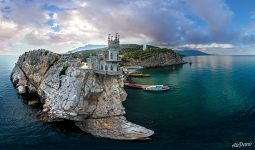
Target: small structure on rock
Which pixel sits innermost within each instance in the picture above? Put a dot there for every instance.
(107, 62)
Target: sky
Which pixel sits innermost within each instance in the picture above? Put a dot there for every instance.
(212, 26)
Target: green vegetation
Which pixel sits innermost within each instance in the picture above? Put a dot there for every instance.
(128, 51)
(140, 54)
(83, 55)
(130, 46)
(63, 71)
(46, 52)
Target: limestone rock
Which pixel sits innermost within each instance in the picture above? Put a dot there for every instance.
(33, 103)
(21, 89)
(18, 78)
(70, 92)
(115, 128)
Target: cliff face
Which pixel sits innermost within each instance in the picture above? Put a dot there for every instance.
(69, 92)
(157, 60)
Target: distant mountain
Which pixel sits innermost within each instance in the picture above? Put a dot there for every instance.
(98, 47)
(137, 47)
(130, 46)
(87, 47)
(190, 52)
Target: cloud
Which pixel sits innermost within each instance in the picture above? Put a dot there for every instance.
(157, 22)
(65, 24)
(205, 46)
(215, 13)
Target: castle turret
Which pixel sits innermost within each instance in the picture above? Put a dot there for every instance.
(113, 50)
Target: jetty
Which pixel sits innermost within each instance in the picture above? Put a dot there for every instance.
(146, 87)
(132, 84)
(138, 75)
(137, 86)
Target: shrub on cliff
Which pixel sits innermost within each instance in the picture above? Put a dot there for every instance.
(63, 71)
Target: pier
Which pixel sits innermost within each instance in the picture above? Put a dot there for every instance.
(132, 84)
(138, 75)
(137, 86)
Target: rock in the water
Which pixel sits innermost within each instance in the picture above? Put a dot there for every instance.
(115, 128)
(33, 103)
(70, 92)
(21, 89)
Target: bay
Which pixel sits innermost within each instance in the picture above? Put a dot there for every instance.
(210, 105)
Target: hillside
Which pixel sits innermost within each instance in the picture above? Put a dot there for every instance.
(87, 47)
(153, 57)
(132, 54)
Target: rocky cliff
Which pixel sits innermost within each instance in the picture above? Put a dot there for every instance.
(92, 101)
(158, 60)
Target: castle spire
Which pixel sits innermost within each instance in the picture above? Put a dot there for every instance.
(109, 35)
(116, 37)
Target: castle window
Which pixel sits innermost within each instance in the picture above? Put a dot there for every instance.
(111, 67)
(106, 67)
(111, 55)
(102, 67)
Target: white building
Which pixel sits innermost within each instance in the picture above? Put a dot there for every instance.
(108, 61)
(144, 47)
(84, 65)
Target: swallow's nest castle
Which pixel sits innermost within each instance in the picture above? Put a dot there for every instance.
(107, 62)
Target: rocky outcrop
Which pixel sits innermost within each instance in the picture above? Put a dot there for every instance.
(114, 127)
(157, 60)
(92, 101)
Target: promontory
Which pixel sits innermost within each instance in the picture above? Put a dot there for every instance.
(70, 92)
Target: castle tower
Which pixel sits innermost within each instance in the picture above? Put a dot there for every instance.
(112, 57)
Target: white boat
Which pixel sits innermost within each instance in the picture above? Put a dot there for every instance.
(157, 88)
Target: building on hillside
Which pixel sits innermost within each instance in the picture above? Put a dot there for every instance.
(107, 62)
(144, 47)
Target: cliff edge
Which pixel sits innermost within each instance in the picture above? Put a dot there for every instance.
(92, 101)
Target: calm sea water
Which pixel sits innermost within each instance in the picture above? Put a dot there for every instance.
(211, 105)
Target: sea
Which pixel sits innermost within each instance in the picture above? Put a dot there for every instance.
(210, 106)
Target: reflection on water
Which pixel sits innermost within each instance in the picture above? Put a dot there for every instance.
(212, 62)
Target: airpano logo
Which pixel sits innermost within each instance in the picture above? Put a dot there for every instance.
(241, 144)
